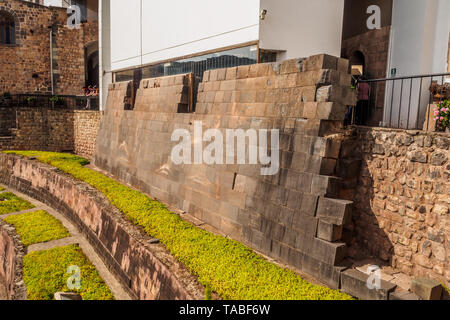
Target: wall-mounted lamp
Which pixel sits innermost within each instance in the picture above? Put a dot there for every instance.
(263, 14)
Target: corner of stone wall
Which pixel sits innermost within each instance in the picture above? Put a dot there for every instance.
(12, 252)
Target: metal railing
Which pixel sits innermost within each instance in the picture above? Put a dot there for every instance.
(402, 102)
(51, 101)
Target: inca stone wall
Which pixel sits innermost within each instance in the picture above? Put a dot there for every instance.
(294, 216)
(402, 201)
(46, 129)
(25, 66)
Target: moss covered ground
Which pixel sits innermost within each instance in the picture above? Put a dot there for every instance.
(37, 227)
(46, 272)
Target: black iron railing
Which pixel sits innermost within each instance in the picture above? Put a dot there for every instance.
(51, 101)
(402, 102)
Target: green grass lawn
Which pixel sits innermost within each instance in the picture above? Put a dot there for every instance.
(36, 227)
(45, 273)
(228, 267)
(10, 203)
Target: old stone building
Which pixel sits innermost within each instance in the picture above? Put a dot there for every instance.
(39, 53)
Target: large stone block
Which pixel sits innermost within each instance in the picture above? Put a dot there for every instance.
(331, 253)
(328, 274)
(334, 93)
(321, 61)
(329, 230)
(327, 147)
(427, 289)
(318, 128)
(305, 224)
(325, 186)
(354, 282)
(338, 210)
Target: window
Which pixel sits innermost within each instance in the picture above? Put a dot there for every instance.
(7, 28)
(196, 65)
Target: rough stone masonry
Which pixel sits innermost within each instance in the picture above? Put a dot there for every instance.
(295, 216)
(25, 66)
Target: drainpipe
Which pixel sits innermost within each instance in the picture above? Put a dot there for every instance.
(100, 55)
(51, 61)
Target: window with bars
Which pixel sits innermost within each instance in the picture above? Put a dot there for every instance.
(7, 28)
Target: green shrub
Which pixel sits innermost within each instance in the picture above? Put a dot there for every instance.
(231, 269)
(1, 188)
(45, 273)
(37, 227)
(10, 203)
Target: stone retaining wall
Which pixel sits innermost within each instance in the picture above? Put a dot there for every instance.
(402, 200)
(11, 257)
(147, 270)
(49, 130)
(296, 215)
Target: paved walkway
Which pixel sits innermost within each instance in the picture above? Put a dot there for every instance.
(75, 238)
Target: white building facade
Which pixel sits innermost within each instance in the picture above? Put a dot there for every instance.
(176, 36)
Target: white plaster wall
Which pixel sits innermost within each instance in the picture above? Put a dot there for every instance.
(104, 50)
(302, 27)
(419, 45)
(54, 3)
(147, 31)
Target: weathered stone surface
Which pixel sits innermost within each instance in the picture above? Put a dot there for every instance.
(52, 130)
(274, 214)
(25, 66)
(12, 252)
(354, 282)
(401, 200)
(427, 289)
(338, 210)
(329, 231)
(403, 296)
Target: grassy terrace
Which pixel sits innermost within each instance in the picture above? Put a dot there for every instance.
(227, 267)
(45, 272)
(10, 203)
(37, 227)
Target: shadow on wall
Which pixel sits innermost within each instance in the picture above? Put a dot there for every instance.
(365, 236)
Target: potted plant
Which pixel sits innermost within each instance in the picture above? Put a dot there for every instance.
(442, 116)
(31, 101)
(5, 99)
(57, 101)
(440, 91)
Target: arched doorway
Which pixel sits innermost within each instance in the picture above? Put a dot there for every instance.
(357, 63)
(92, 64)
